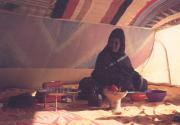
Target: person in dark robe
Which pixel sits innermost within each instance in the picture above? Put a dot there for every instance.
(113, 66)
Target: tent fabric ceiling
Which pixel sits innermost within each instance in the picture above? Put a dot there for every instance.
(144, 13)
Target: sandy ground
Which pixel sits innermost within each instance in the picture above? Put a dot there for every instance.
(132, 113)
(136, 113)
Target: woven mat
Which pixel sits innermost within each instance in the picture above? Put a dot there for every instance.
(30, 117)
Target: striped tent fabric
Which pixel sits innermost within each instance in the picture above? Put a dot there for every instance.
(94, 11)
(116, 12)
(144, 13)
(99, 11)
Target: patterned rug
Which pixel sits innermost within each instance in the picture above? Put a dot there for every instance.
(30, 117)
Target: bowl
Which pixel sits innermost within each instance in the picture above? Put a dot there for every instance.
(156, 95)
(137, 96)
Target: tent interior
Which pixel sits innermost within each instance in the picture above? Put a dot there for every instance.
(59, 40)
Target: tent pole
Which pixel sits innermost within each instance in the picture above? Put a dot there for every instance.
(167, 61)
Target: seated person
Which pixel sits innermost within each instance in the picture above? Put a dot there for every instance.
(113, 66)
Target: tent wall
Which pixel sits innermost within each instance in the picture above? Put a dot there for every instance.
(156, 67)
(34, 49)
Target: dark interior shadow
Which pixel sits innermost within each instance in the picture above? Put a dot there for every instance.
(18, 115)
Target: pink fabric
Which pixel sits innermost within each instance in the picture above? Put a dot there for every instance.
(72, 4)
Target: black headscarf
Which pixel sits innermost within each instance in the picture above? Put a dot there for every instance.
(116, 33)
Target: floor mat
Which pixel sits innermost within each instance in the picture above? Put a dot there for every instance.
(29, 117)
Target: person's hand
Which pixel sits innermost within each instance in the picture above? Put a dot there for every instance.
(114, 88)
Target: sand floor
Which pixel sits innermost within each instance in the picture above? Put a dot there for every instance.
(140, 113)
(132, 113)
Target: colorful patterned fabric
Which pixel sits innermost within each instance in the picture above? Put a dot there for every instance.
(95, 11)
(144, 13)
(52, 43)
